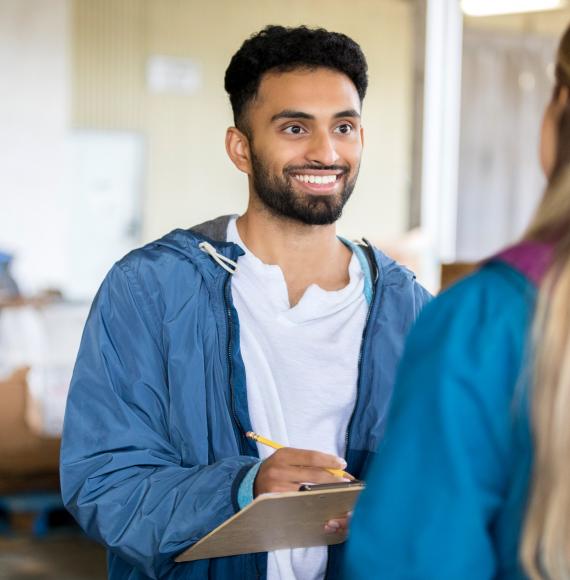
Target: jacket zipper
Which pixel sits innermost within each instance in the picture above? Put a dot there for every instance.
(241, 439)
(347, 434)
(373, 271)
(241, 436)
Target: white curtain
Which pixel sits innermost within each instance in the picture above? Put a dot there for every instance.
(507, 81)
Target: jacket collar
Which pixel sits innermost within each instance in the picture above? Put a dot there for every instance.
(384, 270)
(529, 258)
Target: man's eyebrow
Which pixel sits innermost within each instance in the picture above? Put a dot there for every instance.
(347, 113)
(291, 114)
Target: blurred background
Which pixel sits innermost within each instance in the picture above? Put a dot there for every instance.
(112, 124)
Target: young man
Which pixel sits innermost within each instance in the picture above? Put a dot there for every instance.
(268, 322)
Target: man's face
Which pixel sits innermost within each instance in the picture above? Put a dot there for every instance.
(306, 144)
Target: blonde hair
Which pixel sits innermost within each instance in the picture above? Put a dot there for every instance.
(545, 546)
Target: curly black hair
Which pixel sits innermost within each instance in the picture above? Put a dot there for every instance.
(281, 49)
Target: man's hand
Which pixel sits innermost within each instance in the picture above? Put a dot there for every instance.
(338, 525)
(288, 468)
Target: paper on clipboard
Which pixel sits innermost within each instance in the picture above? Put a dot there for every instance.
(275, 521)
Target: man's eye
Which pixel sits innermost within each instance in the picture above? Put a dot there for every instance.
(294, 130)
(344, 129)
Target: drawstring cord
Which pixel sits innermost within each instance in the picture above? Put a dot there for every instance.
(230, 265)
(227, 264)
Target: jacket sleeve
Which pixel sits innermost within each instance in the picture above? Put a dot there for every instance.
(121, 477)
(441, 473)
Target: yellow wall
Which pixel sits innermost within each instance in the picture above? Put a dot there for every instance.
(189, 178)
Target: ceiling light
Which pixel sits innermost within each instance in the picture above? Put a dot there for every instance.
(496, 7)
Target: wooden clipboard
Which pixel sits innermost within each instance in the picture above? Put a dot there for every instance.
(277, 520)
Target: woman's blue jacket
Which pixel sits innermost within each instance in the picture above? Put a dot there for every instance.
(447, 492)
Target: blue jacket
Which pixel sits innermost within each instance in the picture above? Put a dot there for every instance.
(153, 447)
(447, 492)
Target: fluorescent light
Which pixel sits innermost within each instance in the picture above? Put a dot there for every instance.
(496, 7)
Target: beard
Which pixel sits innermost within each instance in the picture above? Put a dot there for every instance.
(280, 198)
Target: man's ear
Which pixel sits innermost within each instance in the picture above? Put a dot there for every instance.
(237, 147)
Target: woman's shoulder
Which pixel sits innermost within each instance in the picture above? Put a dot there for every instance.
(494, 290)
(492, 306)
(494, 277)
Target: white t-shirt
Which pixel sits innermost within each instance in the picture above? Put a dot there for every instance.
(301, 368)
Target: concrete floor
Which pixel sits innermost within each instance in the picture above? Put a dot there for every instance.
(58, 556)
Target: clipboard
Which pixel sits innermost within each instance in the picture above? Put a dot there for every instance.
(274, 521)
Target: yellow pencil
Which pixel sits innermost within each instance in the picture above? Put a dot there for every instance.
(269, 443)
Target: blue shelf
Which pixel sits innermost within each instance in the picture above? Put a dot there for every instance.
(38, 504)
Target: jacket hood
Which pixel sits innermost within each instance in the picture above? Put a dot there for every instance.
(188, 242)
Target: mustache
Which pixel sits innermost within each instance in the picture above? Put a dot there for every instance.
(300, 168)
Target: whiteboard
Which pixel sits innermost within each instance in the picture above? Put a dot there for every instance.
(106, 183)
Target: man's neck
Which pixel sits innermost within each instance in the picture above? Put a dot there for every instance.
(306, 254)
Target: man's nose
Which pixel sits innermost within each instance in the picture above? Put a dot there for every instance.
(322, 149)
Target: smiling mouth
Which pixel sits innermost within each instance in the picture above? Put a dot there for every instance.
(317, 179)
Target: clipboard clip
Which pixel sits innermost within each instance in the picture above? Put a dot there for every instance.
(325, 486)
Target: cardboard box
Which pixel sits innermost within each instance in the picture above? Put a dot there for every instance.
(45, 339)
(23, 454)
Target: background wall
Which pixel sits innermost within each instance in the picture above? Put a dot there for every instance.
(508, 73)
(34, 118)
(506, 76)
(188, 176)
(550, 23)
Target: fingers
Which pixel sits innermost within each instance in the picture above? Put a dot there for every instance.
(332, 527)
(308, 458)
(311, 475)
(274, 475)
(337, 526)
(287, 468)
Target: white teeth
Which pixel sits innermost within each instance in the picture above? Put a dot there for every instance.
(318, 179)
